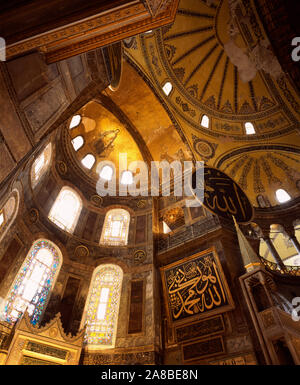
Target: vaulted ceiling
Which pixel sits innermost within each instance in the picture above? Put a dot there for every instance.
(219, 61)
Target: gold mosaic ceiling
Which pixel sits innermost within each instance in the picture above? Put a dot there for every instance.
(130, 120)
(218, 59)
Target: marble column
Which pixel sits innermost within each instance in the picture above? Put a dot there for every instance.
(273, 251)
(290, 231)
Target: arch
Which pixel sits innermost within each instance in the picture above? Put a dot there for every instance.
(9, 211)
(116, 227)
(75, 121)
(88, 161)
(41, 165)
(250, 130)
(282, 196)
(102, 307)
(32, 285)
(205, 121)
(66, 209)
(167, 88)
(77, 142)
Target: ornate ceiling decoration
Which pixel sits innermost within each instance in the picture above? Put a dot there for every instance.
(219, 61)
(61, 35)
(262, 170)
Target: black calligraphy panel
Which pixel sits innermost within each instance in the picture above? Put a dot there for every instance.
(195, 287)
(223, 196)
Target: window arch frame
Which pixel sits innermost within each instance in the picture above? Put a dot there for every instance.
(88, 304)
(207, 121)
(285, 193)
(249, 126)
(46, 288)
(48, 152)
(124, 239)
(74, 125)
(167, 87)
(8, 221)
(56, 221)
(82, 143)
(85, 157)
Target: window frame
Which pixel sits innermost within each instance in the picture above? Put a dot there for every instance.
(92, 299)
(124, 240)
(35, 178)
(56, 221)
(18, 280)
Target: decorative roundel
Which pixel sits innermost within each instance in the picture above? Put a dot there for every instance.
(221, 195)
(139, 256)
(61, 167)
(141, 203)
(82, 251)
(97, 200)
(33, 215)
(204, 148)
(53, 332)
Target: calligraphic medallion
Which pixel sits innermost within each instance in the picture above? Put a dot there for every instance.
(194, 287)
(223, 196)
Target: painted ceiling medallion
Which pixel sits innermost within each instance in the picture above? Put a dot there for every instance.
(61, 167)
(82, 251)
(97, 200)
(139, 256)
(205, 149)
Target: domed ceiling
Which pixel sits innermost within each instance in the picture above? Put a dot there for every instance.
(130, 120)
(219, 62)
(104, 136)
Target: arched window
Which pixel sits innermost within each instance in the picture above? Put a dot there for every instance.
(75, 121)
(66, 209)
(106, 172)
(282, 196)
(167, 88)
(115, 228)
(8, 212)
(33, 283)
(40, 165)
(88, 161)
(77, 142)
(250, 130)
(127, 177)
(205, 121)
(102, 307)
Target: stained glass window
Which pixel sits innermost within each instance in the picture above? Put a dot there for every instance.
(33, 282)
(40, 165)
(66, 209)
(102, 307)
(115, 229)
